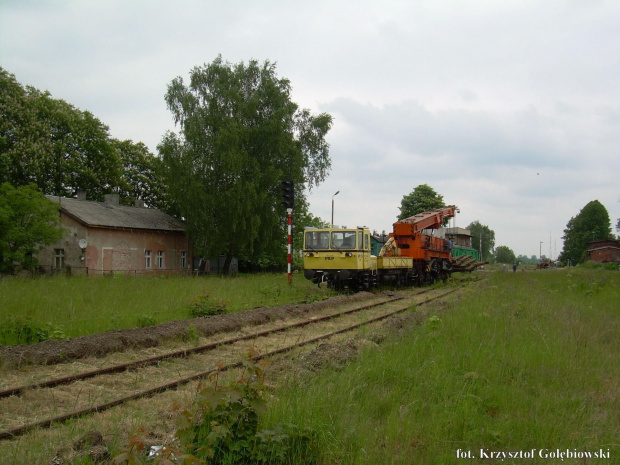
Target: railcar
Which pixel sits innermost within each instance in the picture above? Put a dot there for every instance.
(341, 257)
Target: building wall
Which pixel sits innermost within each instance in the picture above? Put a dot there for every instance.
(112, 249)
(604, 251)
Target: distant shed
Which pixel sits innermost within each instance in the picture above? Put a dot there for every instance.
(604, 251)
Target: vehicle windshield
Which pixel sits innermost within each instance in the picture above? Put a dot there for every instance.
(317, 240)
(343, 240)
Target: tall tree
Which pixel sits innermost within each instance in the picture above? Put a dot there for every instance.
(141, 178)
(240, 136)
(421, 199)
(28, 222)
(483, 238)
(62, 149)
(592, 223)
(504, 254)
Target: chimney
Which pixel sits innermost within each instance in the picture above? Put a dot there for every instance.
(81, 195)
(111, 199)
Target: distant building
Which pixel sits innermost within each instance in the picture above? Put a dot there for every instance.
(104, 237)
(376, 243)
(458, 236)
(461, 242)
(604, 251)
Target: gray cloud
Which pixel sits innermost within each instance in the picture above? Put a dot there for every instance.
(508, 109)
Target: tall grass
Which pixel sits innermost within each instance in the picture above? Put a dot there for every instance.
(77, 305)
(525, 361)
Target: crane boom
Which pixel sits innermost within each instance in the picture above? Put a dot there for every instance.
(431, 219)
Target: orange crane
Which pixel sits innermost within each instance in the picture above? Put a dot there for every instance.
(408, 240)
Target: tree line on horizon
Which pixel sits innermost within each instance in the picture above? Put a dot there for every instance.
(239, 136)
(592, 223)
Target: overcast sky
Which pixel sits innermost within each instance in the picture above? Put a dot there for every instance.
(510, 110)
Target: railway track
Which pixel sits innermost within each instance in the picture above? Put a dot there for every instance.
(51, 397)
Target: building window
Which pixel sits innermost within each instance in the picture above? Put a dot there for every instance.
(147, 259)
(183, 259)
(160, 259)
(59, 258)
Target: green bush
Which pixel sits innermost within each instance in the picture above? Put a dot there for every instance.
(22, 330)
(223, 426)
(600, 266)
(205, 305)
(144, 321)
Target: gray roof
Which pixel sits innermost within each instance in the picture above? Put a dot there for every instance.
(109, 215)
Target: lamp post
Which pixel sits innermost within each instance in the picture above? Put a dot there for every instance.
(540, 251)
(337, 192)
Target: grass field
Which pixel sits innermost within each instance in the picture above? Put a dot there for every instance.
(74, 306)
(526, 362)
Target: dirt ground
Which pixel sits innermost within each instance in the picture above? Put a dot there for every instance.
(52, 351)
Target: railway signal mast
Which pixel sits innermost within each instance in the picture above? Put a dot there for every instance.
(288, 192)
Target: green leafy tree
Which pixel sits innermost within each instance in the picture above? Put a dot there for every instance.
(422, 198)
(592, 223)
(483, 238)
(504, 254)
(240, 136)
(28, 222)
(532, 260)
(141, 178)
(63, 150)
(52, 144)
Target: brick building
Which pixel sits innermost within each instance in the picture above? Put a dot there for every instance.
(104, 237)
(604, 251)
(458, 236)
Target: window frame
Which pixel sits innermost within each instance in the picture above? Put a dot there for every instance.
(59, 258)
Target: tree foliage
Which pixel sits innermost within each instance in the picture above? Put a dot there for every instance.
(141, 176)
(483, 238)
(592, 223)
(421, 199)
(28, 222)
(63, 150)
(504, 254)
(240, 136)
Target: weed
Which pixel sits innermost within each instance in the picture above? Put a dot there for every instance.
(144, 321)
(192, 333)
(223, 426)
(22, 330)
(205, 305)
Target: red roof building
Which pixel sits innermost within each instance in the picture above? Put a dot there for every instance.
(604, 251)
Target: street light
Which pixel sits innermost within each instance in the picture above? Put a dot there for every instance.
(337, 192)
(540, 251)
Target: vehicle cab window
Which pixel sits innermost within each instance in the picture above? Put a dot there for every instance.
(317, 240)
(343, 240)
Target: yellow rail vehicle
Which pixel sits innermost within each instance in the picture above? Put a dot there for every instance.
(339, 257)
